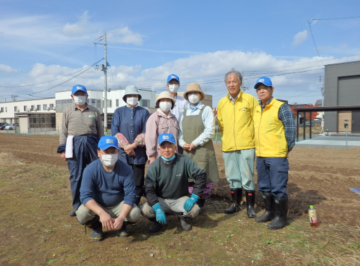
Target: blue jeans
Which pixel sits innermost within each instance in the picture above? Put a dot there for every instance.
(273, 175)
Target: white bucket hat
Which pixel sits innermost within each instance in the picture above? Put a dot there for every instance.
(130, 90)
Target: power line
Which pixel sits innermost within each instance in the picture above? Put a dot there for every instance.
(313, 19)
(312, 36)
(66, 80)
(30, 85)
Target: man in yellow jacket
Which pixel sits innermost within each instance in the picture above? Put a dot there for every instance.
(235, 120)
(274, 138)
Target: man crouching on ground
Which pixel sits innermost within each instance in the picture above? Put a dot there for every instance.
(107, 192)
(166, 186)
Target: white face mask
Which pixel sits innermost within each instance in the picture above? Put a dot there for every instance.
(132, 100)
(165, 106)
(79, 100)
(109, 159)
(193, 98)
(173, 88)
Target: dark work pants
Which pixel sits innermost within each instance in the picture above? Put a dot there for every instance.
(139, 173)
(272, 175)
(84, 152)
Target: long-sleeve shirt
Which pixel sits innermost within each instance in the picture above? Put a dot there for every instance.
(180, 104)
(208, 121)
(287, 118)
(170, 181)
(108, 188)
(159, 123)
(131, 122)
(78, 122)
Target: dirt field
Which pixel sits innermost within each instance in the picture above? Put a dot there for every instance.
(35, 228)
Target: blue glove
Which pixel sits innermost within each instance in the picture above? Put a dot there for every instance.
(160, 214)
(189, 203)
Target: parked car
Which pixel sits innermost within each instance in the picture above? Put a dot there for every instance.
(11, 126)
(3, 126)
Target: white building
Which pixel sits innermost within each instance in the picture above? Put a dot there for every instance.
(46, 114)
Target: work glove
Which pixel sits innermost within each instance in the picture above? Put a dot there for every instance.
(160, 214)
(189, 203)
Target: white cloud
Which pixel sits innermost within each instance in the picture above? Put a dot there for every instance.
(79, 28)
(40, 31)
(125, 35)
(300, 37)
(6, 69)
(291, 77)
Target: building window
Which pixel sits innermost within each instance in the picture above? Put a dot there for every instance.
(44, 107)
(117, 102)
(98, 104)
(109, 104)
(5, 109)
(145, 103)
(25, 108)
(15, 108)
(38, 107)
(2, 109)
(51, 106)
(32, 107)
(42, 120)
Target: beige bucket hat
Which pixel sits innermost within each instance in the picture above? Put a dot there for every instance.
(165, 95)
(193, 87)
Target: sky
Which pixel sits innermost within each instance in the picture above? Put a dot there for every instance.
(49, 46)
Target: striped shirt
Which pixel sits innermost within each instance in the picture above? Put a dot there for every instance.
(287, 118)
(78, 122)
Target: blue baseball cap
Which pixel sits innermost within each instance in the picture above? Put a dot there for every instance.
(77, 88)
(166, 137)
(107, 142)
(263, 80)
(171, 77)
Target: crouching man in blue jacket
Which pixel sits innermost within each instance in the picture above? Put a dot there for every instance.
(166, 186)
(107, 192)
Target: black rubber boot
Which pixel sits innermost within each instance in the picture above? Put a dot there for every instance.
(269, 213)
(236, 198)
(250, 201)
(281, 210)
(201, 203)
(185, 225)
(96, 226)
(155, 227)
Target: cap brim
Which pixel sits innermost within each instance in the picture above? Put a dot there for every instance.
(109, 146)
(167, 141)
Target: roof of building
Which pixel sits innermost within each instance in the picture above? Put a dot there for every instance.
(36, 99)
(352, 62)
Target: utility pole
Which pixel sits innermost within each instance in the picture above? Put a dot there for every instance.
(104, 68)
(14, 97)
(105, 85)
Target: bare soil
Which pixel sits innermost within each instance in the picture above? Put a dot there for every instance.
(35, 228)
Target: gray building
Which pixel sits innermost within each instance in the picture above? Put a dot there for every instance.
(342, 88)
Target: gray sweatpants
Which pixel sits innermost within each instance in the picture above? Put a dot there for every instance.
(170, 206)
(83, 214)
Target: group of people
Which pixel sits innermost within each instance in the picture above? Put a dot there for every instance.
(107, 173)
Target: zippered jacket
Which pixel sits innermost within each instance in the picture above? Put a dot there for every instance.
(270, 138)
(236, 122)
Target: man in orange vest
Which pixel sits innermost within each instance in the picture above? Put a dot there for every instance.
(275, 129)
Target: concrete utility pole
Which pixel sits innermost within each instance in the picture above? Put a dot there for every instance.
(105, 84)
(14, 97)
(104, 68)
